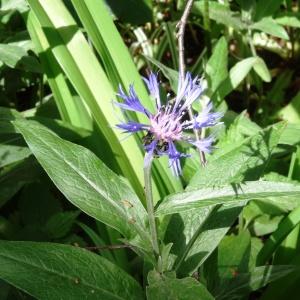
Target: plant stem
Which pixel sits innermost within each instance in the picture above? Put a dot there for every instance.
(180, 35)
(150, 205)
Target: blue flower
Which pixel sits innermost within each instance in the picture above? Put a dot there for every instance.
(167, 125)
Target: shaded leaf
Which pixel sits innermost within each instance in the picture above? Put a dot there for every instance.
(52, 271)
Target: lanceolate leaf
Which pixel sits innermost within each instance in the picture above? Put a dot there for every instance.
(234, 193)
(86, 181)
(53, 271)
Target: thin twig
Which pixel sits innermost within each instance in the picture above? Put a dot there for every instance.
(180, 35)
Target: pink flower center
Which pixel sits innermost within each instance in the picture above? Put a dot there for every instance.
(166, 126)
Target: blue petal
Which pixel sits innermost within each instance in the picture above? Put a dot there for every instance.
(188, 91)
(131, 101)
(132, 127)
(204, 145)
(174, 159)
(153, 87)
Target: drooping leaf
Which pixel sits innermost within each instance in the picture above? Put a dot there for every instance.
(86, 181)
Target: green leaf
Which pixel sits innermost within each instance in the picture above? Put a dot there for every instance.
(82, 68)
(247, 282)
(236, 75)
(17, 57)
(12, 149)
(15, 176)
(288, 19)
(166, 287)
(234, 254)
(71, 110)
(132, 11)
(221, 14)
(291, 112)
(268, 25)
(274, 241)
(60, 224)
(228, 194)
(86, 181)
(196, 233)
(170, 74)
(266, 8)
(120, 68)
(216, 68)
(12, 5)
(245, 162)
(53, 271)
(262, 70)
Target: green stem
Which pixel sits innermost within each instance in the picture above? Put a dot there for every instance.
(150, 205)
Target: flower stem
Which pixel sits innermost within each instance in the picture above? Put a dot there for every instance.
(150, 205)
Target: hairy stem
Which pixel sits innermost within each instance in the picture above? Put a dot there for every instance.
(150, 205)
(180, 35)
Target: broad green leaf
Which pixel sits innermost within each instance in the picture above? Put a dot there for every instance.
(245, 162)
(266, 8)
(53, 271)
(291, 112)
(11, 5)
(86, 181)
(132, 11)
(236, 193)
(288, 19)
(201, 231)
(262, 70)
(290, 135)
(17, 57)
(268, 25)
(221, 14)
(274, 241)
(167, 287)
(234, 254)
(216, 67)
(236, 75)
(11, 55)
(247, 282)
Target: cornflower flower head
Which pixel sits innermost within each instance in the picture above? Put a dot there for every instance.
(168, 124)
